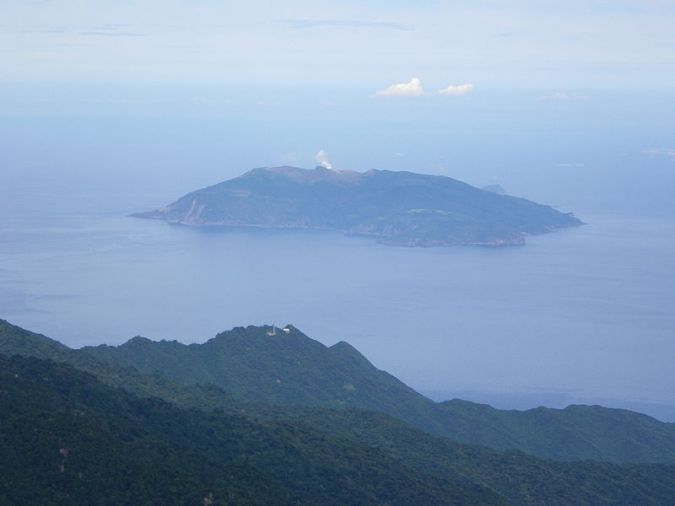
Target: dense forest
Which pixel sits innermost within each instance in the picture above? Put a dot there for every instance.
(291, 368)
(79, 430)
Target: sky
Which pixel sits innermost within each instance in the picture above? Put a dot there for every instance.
(571, 103)
(572, 45)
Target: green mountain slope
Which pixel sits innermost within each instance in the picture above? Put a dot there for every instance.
(574, 433)
(394, 207)
(520, 478)
(287, 368)
(294, 369)
(69, 439)
(478, 475)
(17, 341)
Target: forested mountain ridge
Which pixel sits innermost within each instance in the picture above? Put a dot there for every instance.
(333, 442)
(246, 365)
(291, 368)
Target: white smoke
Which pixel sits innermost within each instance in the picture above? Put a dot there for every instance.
(322, 159)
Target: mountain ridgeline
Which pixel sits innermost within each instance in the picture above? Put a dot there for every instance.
(291, 369)
(146, 423)
(399, 208)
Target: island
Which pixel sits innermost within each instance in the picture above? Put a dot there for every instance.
(394, 207)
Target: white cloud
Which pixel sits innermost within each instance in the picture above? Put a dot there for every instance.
(413, 88)
(577, 165)
(322, 159)
(668, 152)
(301, 24)
(456, 90)
(287, 41)
(562, 97)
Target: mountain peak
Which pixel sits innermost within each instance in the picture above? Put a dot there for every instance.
(308, 176)
(138, 341)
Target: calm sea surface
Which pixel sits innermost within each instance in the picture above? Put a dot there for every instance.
(585, 315)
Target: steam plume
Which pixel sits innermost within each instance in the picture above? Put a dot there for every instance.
(322, 159)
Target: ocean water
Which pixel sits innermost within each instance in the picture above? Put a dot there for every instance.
(584, 315)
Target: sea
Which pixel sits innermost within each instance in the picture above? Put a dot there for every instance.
(584, 315)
